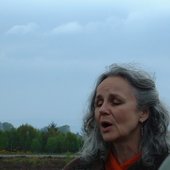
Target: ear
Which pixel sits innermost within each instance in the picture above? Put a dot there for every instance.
(144, 115)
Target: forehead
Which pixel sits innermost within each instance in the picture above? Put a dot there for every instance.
(116, 85)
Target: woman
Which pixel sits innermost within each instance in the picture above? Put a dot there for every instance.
(126, 125)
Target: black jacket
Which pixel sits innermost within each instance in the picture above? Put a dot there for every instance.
(80, 164)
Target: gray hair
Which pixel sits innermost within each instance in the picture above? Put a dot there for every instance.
(154, 139)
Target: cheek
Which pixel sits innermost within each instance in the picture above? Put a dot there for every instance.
(96, 115)
(123, 115)
(120, 116)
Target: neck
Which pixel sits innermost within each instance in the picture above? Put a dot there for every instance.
(126, 148)
(124, 152)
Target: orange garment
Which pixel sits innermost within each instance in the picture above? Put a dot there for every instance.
(113, 164)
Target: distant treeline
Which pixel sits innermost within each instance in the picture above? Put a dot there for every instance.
(26, 138)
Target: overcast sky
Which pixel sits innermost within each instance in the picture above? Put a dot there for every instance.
(52, 51)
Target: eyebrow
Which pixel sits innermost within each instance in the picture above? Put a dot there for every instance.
(99, 96)
(112, 94)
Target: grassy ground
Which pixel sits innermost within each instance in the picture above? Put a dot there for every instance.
(33, 163)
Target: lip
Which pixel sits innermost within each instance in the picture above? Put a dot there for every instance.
(105, 126)
(105, 129)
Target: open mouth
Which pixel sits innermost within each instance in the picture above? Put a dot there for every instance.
(106, 124)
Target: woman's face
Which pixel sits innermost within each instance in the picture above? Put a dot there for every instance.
(116, 110)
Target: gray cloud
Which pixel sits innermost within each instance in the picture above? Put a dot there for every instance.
(52, 50)
(23, 29)
(71, 27)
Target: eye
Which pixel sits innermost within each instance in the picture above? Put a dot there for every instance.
(116, 102)
(98, 103)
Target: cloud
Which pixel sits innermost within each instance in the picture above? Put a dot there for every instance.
(23, 29)
(71, 27)
(74, 27)
(153, 20)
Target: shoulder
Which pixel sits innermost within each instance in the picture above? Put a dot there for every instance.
(80, 164)
(161, 162)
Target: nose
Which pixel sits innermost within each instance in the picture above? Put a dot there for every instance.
(104, 109)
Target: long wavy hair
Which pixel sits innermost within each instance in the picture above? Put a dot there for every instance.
(154, 139)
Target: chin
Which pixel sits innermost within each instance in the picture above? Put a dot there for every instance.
(108, 138)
